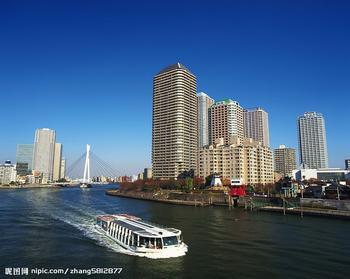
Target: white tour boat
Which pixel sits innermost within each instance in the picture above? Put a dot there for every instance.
(142, 237)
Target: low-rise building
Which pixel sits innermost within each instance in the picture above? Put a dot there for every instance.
(245, 159)
(8, 173)
(347, 164)
(329, 174)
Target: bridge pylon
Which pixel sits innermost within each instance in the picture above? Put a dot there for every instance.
(86, 179)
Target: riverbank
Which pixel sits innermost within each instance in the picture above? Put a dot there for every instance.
(162, 197)
(249, 203)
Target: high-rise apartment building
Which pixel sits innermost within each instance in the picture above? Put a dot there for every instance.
(285, 160)
(312, 141)
(225, 121)
(256, 125)
(44, 151)
(203, 102)
(174, 127)
(24, 158)
(57, 161)
(245, 159)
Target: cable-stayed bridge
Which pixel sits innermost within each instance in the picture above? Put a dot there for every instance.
(90, 168)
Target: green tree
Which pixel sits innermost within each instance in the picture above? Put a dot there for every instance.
(189, 183)
(62, 180)
(208, 180)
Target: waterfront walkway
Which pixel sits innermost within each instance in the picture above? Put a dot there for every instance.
(308, 211)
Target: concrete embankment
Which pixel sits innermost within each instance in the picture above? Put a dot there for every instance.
(309, 212)
(174, 197)
(302, 207)
(325, 208)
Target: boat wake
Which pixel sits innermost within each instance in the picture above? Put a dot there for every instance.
(83, 218)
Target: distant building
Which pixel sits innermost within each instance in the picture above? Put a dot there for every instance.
(7, 173)
(312, 140)
(329, 174)
(285, 160)
(44, 150)
(174, 127)
(63, 168)
(256, 125)
(140, 176)
(203, 103)
(245, 159)
(147, 173)
(124, 178)
(278, 176)
(225, 121)
(57, 162)
(22, 169)
(347, 164)
(24, 155)
(134, 178)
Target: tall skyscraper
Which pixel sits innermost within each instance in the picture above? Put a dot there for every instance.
(285, 160)
(203, 102)
(57, 162)
(174, 127)
(225, 121)
(256, 125)
(24, 155)
(44, 150)
(312, 140)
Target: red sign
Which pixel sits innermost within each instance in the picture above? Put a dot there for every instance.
(237, 191)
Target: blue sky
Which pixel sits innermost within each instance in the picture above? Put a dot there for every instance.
(85, 68)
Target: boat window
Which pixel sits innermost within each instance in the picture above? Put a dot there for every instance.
(171, 240)
(158, 243)
(147, 242)
(142, 241)
(104, 225)
(151, 243)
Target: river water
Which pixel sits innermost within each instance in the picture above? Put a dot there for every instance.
(54, 228)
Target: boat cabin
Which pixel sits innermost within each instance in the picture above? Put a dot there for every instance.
(131, 231)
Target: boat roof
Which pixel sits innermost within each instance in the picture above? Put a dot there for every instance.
(139, 226)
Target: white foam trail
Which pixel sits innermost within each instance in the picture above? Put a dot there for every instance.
(83, 218)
